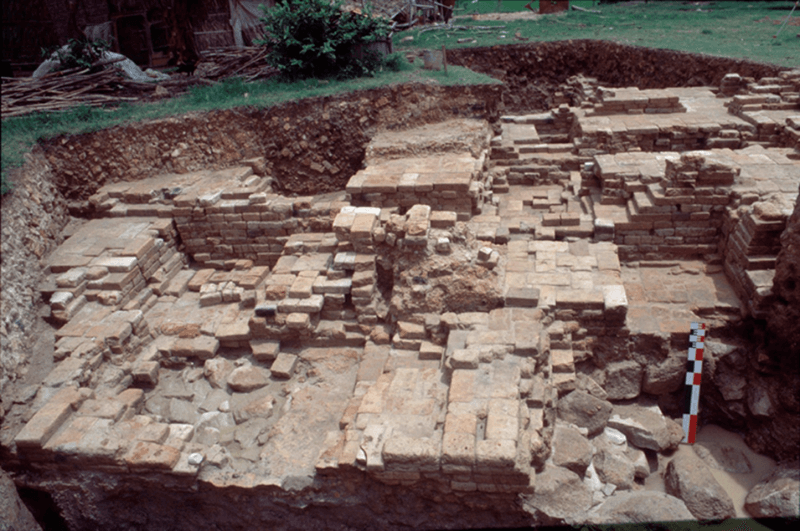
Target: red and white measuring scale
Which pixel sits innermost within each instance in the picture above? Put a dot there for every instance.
(694, 373)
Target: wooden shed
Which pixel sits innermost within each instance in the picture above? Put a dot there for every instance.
(152, 33)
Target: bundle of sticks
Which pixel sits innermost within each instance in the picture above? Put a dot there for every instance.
(81, 86)
(248, 62)
(67, 88)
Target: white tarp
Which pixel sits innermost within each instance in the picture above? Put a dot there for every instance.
(126, 66)
(245, 14)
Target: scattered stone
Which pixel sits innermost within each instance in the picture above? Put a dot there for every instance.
(689, 479)
(248, 378)
(216, 371)
(584, 410)
(637, 507)
(777, 496)
(265, 350)
(723, 457)
(284, 365)
(561, 495)
(258, 404)
(571, 450)
(646, 428)
(614, 468)
(146, 373)
(623, 380)
(666, 376)
(182, 412)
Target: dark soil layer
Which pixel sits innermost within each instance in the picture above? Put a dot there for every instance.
(98, 502)
(531, 72)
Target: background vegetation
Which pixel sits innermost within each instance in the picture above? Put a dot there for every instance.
(315, 38)
(732, 29)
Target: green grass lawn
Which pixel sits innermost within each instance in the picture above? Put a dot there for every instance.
(727, 29)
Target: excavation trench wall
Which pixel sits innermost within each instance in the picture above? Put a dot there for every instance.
(531, 73)
(33, 217)
(310, 146)
(134, 502)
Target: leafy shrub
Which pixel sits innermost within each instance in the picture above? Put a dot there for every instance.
(315, 38)
(78, 53)
(395, 62)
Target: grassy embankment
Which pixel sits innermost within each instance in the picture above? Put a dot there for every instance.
(20, 133)
(728, 29)
(731, 29)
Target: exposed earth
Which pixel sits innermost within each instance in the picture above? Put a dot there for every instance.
(415, 307)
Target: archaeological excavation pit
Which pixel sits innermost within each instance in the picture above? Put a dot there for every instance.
(414, 307)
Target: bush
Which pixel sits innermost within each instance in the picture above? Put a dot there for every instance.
(314, 38)
(395, 62)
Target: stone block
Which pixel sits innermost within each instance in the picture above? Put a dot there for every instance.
(465, 359)
(312, 304)
(484, 253)
(458, 449)
(238, 330)
(210, 298)
(576, 299)
(302, 287)
(132, 399)
(151, 456)
(298, 321)
(410, 453)
(562, 360)
(430, 351)
(461, 418)
(67, 438)
(146, 373)
(563, 381)
(265, 349)
(248, 378)
(139, 247)
(116, 264)
(71, 369)
(615, 303)
(462, 386)
(99, 445)
(44, 423)
(202, 347)
(505, 427)
(322, 285)
(522, 297)
(104, 409)
(284, 365)
(443, 220)
(494, 454)
(406, 344)
(408, 330)
(375, 437)
(72, 278)
(344, 261)
(363, 226)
